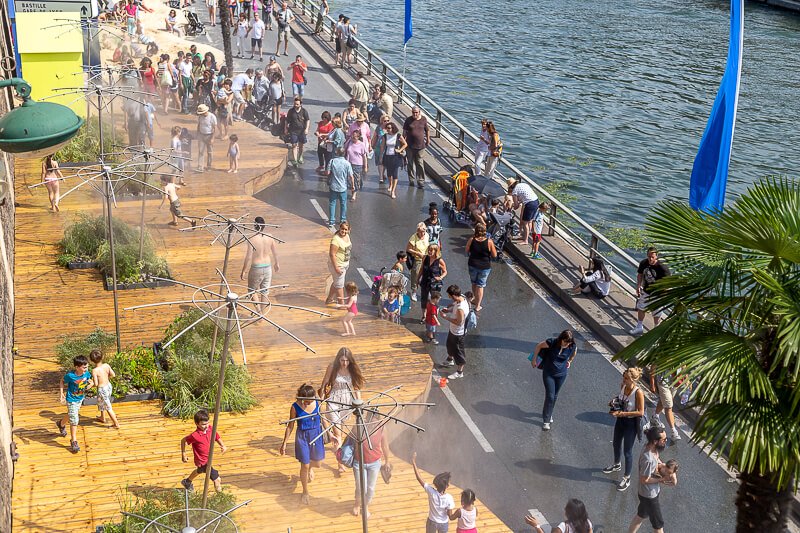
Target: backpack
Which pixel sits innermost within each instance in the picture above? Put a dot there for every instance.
(374, 112)
(472, 320)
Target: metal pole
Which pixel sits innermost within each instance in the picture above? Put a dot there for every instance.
(110, 230)
(222, 363)
(361, 437)
(113, 127)
(221, 287)
(144, 200)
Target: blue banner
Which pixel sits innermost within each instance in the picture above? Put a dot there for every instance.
(408, 34)
(710, 170)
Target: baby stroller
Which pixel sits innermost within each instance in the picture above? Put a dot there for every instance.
(259, 114)
(193, 24)
(456, 204)
(502, 227)
(387, 280)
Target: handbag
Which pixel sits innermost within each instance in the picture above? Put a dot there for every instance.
(346, 453)
(411, 261)
(386, 472)
(539, 363)
(351, 42)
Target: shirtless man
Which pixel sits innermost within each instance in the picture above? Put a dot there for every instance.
(260, 257)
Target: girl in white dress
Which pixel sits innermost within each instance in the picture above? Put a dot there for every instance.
(343, 381)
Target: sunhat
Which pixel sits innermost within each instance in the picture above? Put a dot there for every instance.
(202, 109)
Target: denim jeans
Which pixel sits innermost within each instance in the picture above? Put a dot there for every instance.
(552, 384)
(371, 471)
(298, 89)
(340, 197)
(625, 430)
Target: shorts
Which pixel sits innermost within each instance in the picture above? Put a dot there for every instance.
(430, 328)
(537, 237)
(255, 42)
(305, 452)
(470, 530)
(73, 408)
(649, 507)
(665, 393)
(455, 349)
(175, 208)
(298, 138)
(278, 101)
(283, 35)
(529, 210)
(338, 279)
(214, 473)
(104, 398)
(479, 276)
(338, 45)
(237, 97)
(436, 527)
(259, 278)
(642, 301)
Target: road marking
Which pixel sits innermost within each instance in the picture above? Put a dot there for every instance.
(318, 207)
(365, 277)
(473, 428)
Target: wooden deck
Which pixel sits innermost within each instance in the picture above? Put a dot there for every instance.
(56, 491)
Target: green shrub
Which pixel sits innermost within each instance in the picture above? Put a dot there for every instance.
(85, 146)
(83, 237)
(75, 344)
(197, 341)
(129, 268)
(152, 503)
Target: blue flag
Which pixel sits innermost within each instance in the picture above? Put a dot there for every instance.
(710, 170)
(408, 33)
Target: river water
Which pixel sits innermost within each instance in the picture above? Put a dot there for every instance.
(612, 96)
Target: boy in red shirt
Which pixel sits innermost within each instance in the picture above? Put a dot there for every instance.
(432, 317)
(200, 441)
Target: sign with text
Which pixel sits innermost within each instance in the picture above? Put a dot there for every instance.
(87, 8)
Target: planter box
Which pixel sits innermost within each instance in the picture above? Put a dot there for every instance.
(76, 265)
(129, 398)
(107, 284)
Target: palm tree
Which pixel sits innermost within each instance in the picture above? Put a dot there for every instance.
(734, 330)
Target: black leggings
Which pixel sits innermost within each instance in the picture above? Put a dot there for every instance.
(625, 431)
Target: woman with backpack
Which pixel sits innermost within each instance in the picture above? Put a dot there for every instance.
(554, 358)
(495, 149)
(481, 251)
(431, 274)
(628, 408)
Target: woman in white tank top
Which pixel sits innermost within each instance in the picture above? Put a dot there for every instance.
(395, 149)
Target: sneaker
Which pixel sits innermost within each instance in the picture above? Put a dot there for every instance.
(637, 330)
(300, 160)
(624, 483)
(420, 185)
(73, 447)
(413, 296)
(546, 426)
(434, 341)
(535, 256)
(456, 375)
(186, 484)
(332, 226)
(449, 362)
(675, 435)
(252, 56)
(616, 467)
(61, 429)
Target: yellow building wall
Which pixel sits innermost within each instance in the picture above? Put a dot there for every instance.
(51, 52)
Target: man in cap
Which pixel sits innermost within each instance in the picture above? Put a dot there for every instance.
(206, 124)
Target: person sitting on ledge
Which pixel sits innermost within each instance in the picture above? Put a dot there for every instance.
(596, 281)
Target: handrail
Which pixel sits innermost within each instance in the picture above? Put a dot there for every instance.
(404, 86)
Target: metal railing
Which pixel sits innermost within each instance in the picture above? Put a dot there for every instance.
(576, 232)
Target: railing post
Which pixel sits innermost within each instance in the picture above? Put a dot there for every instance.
(438, 123)
(419, 100)
(460, 142)
(369, 63)
(303, 7)
(552, 221)
(593, 244)
(400, 84)
(333, 31)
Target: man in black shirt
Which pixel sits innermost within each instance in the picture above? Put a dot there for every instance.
(415, 131)
(650, 270)
(297, 123)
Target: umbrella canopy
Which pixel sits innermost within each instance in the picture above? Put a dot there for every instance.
(487, 186)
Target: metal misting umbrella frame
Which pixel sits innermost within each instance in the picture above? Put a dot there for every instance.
(235, 232)
(380, 409)
(210, 302)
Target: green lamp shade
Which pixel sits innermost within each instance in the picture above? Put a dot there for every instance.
(35, 126)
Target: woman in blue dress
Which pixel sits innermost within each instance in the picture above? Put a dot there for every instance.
(309, 427)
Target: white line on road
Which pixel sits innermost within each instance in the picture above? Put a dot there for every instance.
(473, 428)
(318, 207)
(365, 277)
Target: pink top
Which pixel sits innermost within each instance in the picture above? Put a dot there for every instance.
(353, 308)
(356, 152)
(131, 9)
(366, 133)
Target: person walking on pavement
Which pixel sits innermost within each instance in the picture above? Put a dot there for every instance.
(524, 197)
(257, 39)
(417, 249)
(456, 314)
(394, 151)
(554, 358)
(628, 408)
(431, 274)
(299, 69)
(340, 178)
(482, 148)
(334, 141)
(297, 123)
(206, 124)
(359, 92)
(481, 251)
(650, 270)
(339, 252)
(650, 482)
(284, 18)
(661, 384)
(415, 131)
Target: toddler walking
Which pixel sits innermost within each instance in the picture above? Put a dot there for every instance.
(466, 514)
(432, 317)
(351, 289)
(101, 377)
(233, 154)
